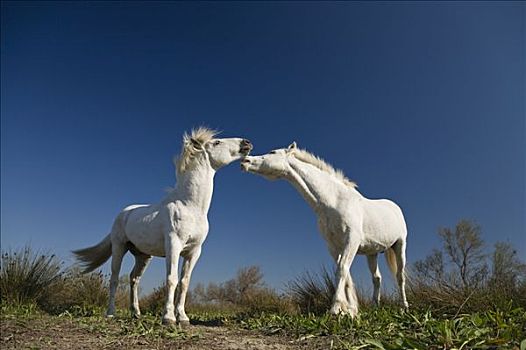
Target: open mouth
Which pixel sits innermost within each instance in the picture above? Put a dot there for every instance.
(245, 150)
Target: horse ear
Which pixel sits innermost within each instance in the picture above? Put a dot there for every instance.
(196, 144)
(292, 147)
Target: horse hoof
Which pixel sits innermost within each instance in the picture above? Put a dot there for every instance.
(110, 316)
(169, 322)
(184, 323)
(136, 316)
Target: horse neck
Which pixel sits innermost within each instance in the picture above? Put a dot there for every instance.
(195, 186)
(319, 188)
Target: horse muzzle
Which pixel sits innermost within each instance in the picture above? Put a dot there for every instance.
(245, 147)
(245, 164)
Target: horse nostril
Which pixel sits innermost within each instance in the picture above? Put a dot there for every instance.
(245, 142)
(245, 161)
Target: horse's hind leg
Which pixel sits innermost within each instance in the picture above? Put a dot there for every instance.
(399, 250)
(117, 253)
(141, 262)
(372, 261)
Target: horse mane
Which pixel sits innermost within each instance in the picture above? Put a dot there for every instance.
(188, 152)
(319, 163)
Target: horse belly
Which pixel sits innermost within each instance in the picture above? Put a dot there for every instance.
(383, 225)
(372, 247)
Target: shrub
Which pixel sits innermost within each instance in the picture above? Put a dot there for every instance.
(153, 303)
(33, 277)
(26, 275)
(85, 293)
(462, 277)
(313, 293)
(245, 293)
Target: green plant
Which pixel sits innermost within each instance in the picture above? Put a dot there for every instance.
(313, 293)
(27, 275)
(153, 303)
(83, 293)
(394, 328)
(455, 278)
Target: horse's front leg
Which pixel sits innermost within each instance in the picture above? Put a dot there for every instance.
(173, 250)
(345, 298)
(182, 288)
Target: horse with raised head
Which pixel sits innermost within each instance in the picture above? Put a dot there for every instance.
(176, 226)
(350, 223)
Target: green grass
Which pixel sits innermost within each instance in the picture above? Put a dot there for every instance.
(93, 320)
(390, 328)
(374, 328)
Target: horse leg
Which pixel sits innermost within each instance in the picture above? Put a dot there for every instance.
(117, 253)
(345, 302)
(141, 262)
(173, 250)
(399, 250)
(350, 293)
(372, 261)
(182, 288)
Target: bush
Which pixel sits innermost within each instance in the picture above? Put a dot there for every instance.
(266, 300)
(313, 293)
(32, 277)
(154, 302)
(245, 293)
(86, 293)
(26, 276)
(462, 277)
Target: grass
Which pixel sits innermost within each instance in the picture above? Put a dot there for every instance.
(37, 292)
(93, 321)
(26, 275)
(391, 328)
(374, 328)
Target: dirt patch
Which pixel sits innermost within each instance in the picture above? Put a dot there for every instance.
(52, 332)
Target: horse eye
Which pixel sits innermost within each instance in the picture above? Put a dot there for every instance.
(272, 152)
(217, 143)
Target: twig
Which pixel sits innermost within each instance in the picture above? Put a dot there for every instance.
(464, 303)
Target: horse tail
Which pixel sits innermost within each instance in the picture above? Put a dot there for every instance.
(390, 257)
(93, 257)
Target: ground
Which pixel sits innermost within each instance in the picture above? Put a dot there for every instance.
(54, 332)
(25, 327)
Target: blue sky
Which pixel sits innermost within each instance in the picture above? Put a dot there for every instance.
(422, 103)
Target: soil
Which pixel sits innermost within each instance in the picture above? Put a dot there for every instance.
(51, 332)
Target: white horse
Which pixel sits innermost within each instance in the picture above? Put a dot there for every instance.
(350, 223)
(176, 226)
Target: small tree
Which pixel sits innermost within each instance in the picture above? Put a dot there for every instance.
(234, 291)
(431, 268)
(507, 269)
(465, 249)
(457, 276)
(248, 280)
